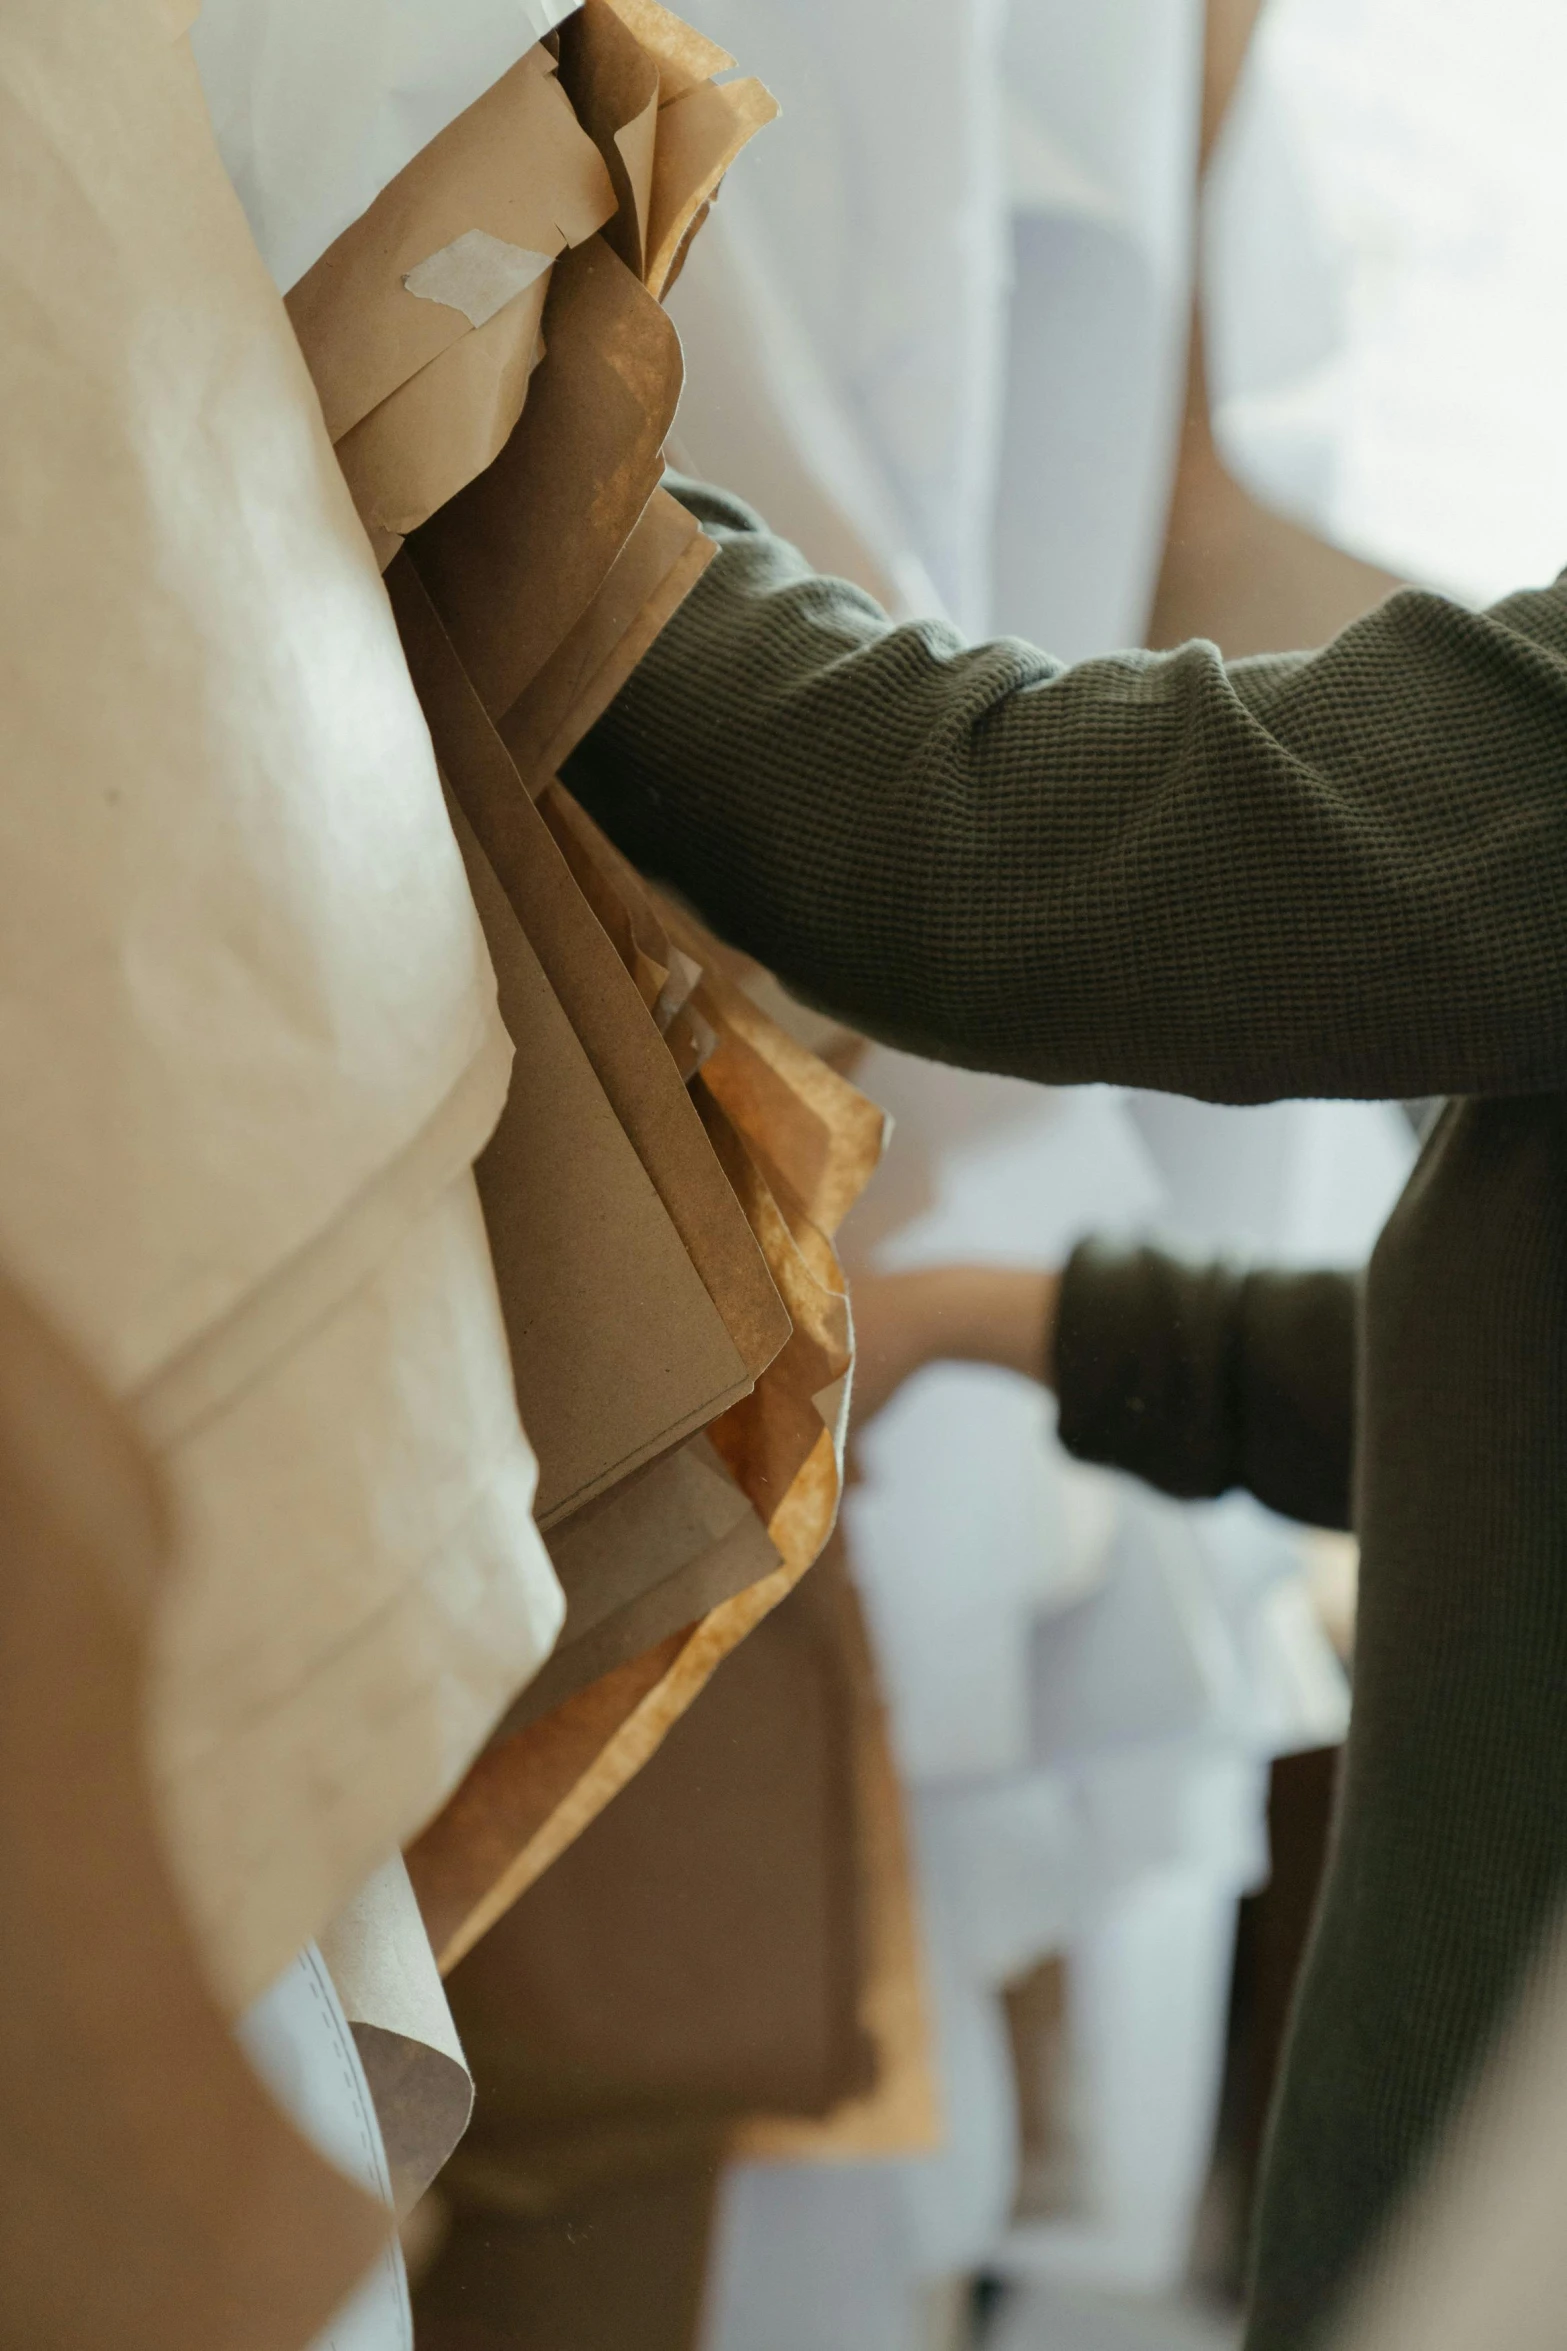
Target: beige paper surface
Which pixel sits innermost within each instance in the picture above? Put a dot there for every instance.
(477, 274)
(243, 966)
(152, 2198)
(379, 1958)
(517, 165)
(818, 1135)
(639, 938)
(595, 991)
(642, 1533)
(534, 1792)
(613, 84)
(699, 136)
(318, 104)
(617, 1349)
(900, 2112)
(653, 574)
(650, 1558)
(699, 1952)
(514, 560)
(361, 1593)
(685, 58)
(445, 425)
(253, 1046)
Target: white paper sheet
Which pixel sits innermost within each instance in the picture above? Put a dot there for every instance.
(318, 103)
(298, 2039)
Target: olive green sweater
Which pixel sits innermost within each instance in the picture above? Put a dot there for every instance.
(1337, 874)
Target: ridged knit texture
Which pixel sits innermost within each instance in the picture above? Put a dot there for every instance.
(1337, 874)
(1201, 1378)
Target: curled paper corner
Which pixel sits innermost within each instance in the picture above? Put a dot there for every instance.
(477, 274)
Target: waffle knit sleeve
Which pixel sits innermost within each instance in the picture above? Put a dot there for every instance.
(1340, 874)
(1203, 1377)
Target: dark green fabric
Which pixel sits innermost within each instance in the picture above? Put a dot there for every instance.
(1202, 1378)
(1337, 874)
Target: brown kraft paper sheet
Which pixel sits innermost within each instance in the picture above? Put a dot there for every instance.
(650, 1558)
(532, 1794)
(594, 989)
(513, 561)
(899, 2111)
(152, 2197)
(618, 1350)
(696, 1957)
(653, 574)
(516, 166)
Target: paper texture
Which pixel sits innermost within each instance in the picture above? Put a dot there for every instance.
(617, 1349)
(362, 1591)
(319, 103)
(514, 560)
(477, 274)
(698, 1953)
(699, 137)
(244, 966)
(899, 2113)
(653, 574)
(648, 1559)
(684, 57)
(119, 2226)
(383, 1971)
(515, 168)
(421, 324)
(445, 425)
(614, 86)
(641, 84)
(535, 1791)
(253, 1046)
(594, 990)
(298, 2039)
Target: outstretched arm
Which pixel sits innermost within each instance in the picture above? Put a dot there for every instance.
(1197, 1377)
(1342, 873)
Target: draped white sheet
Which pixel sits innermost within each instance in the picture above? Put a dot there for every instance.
(318, 103)
(1388, 272)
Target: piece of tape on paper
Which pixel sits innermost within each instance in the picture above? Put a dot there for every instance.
(477, 274)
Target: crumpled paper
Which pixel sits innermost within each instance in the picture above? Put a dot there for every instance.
(318, 103)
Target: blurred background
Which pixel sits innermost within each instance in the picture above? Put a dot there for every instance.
(1111, 325)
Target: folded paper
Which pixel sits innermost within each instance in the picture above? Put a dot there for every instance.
(362, 1591)
(598, 996)
(300, 2042)
(385, 1978)
(653, 1556)
(660, 563)
(319, 103)
(898, 2112)
(516, 169)
(618, 1350)
(152, 2197)
(421, 323)
(698, 1951)
(252, 1045)
(514, 560)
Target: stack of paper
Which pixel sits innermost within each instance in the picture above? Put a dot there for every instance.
(251, 1046)
(662, 1188)
(725, 1962)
